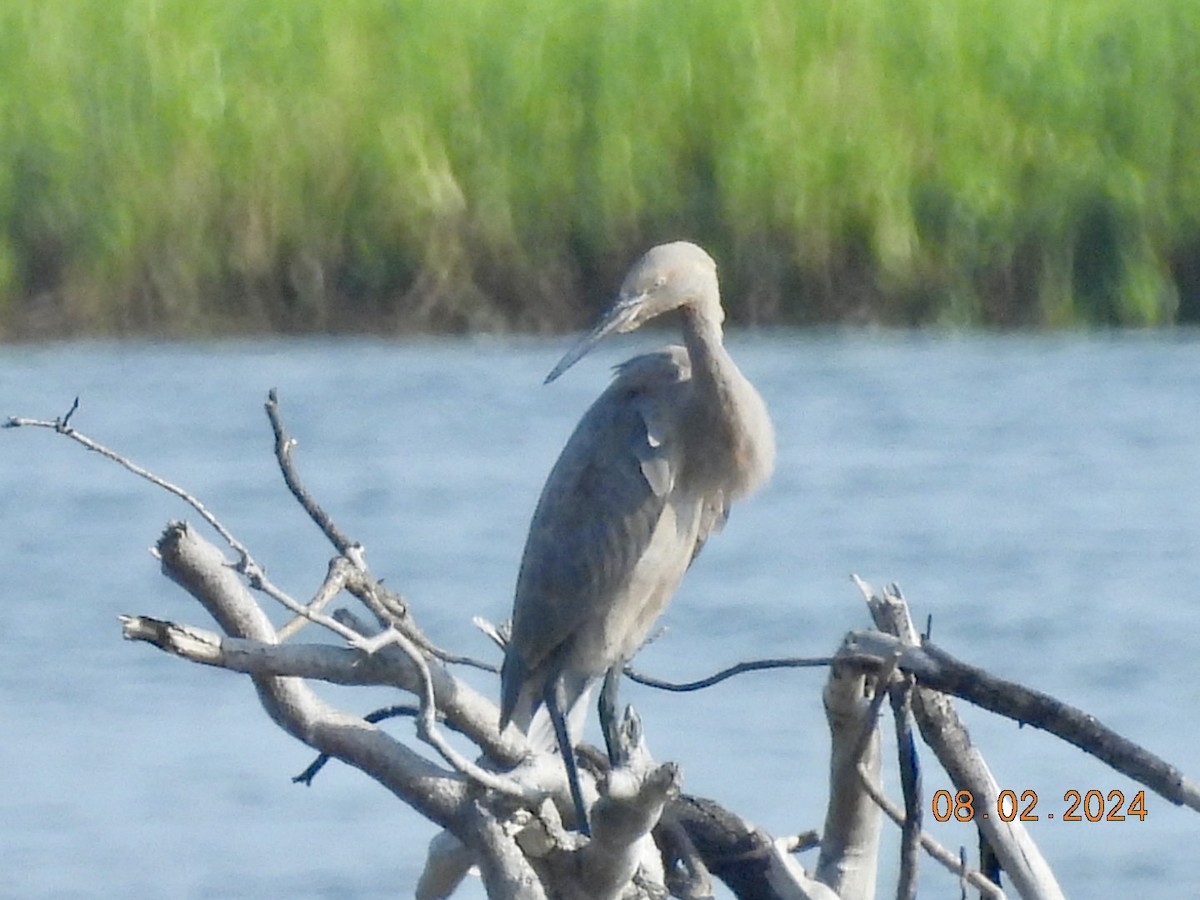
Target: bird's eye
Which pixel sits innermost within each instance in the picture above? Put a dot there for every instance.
(660, 281)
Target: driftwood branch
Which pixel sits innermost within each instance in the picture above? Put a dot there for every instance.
(850, 841)
(349, 571)
(440, 795)
(944, 732)
(62, 426)
(207, 575)
(284, 445)
(245, 564)
(630, 807)
(467, 711)
(1031, 707)
(937, 670)
(952, 862)
(749, 861)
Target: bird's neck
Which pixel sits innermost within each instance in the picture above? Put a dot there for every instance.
(738, 442)
(703, 336)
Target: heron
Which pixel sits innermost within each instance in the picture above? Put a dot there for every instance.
(647, 476)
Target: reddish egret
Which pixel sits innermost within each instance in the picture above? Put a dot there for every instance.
(647, 476)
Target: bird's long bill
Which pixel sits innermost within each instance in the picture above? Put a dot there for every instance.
(621, 316)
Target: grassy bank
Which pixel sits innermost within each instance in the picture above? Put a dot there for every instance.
(189, 166)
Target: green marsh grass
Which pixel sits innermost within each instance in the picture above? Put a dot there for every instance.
(191, 166)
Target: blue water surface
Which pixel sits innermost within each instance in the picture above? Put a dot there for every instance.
(1037, 496)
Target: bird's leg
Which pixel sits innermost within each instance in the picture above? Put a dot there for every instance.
(608, 714)
(554, 697)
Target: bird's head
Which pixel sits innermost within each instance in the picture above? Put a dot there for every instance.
(667, 277)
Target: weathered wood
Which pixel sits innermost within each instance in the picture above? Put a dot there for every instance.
(202, 570)
(938, 670)
(848, 862)
(944, 732)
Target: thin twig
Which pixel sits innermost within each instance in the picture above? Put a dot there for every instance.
(456, 659)
(260, 583)
(931, 846)
(335, 580)
(755, 665)
(247, 565)
(497, 634)
(284, 444)
(388, 607)
(429, 732)
(61, 426)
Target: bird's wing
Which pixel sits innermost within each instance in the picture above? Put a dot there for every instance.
(597, 511)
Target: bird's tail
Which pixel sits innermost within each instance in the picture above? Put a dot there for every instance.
(540, 729)
(530, 714)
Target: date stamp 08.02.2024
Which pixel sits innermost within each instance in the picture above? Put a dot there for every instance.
(1078, 806)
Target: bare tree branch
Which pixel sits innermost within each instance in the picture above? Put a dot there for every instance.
(325, 662)
(622, 821)
(349, 571)
(945, 733)
(204, 572)
(937, 670)
(468, 712)
(335, 581)
(284, 444)
(685, 873)
(375, 716)
(428, 731)
(507, 872)
(732, 849)
(474, 715)
(848, 861)
(63, 427)
(752, 864)
(447, 864)
(246, 564)
(952, 862)
(1031, 707)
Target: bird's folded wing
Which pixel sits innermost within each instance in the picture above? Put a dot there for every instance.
(599, 507)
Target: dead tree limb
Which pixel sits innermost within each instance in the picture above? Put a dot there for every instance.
(950, 861)
(848, 862)
(752, 864)
(754, 665)
(1031, 707)
(943, 731)
(468, 712)
(207, 575)
(937, 670)
(284, 445)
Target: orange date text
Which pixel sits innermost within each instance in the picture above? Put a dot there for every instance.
(1080, 806)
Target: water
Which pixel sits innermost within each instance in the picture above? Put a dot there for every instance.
(1039, 497)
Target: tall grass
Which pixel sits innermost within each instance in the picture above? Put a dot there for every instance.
(193, 166)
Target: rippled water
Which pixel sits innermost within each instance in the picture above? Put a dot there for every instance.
(1039, 497)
